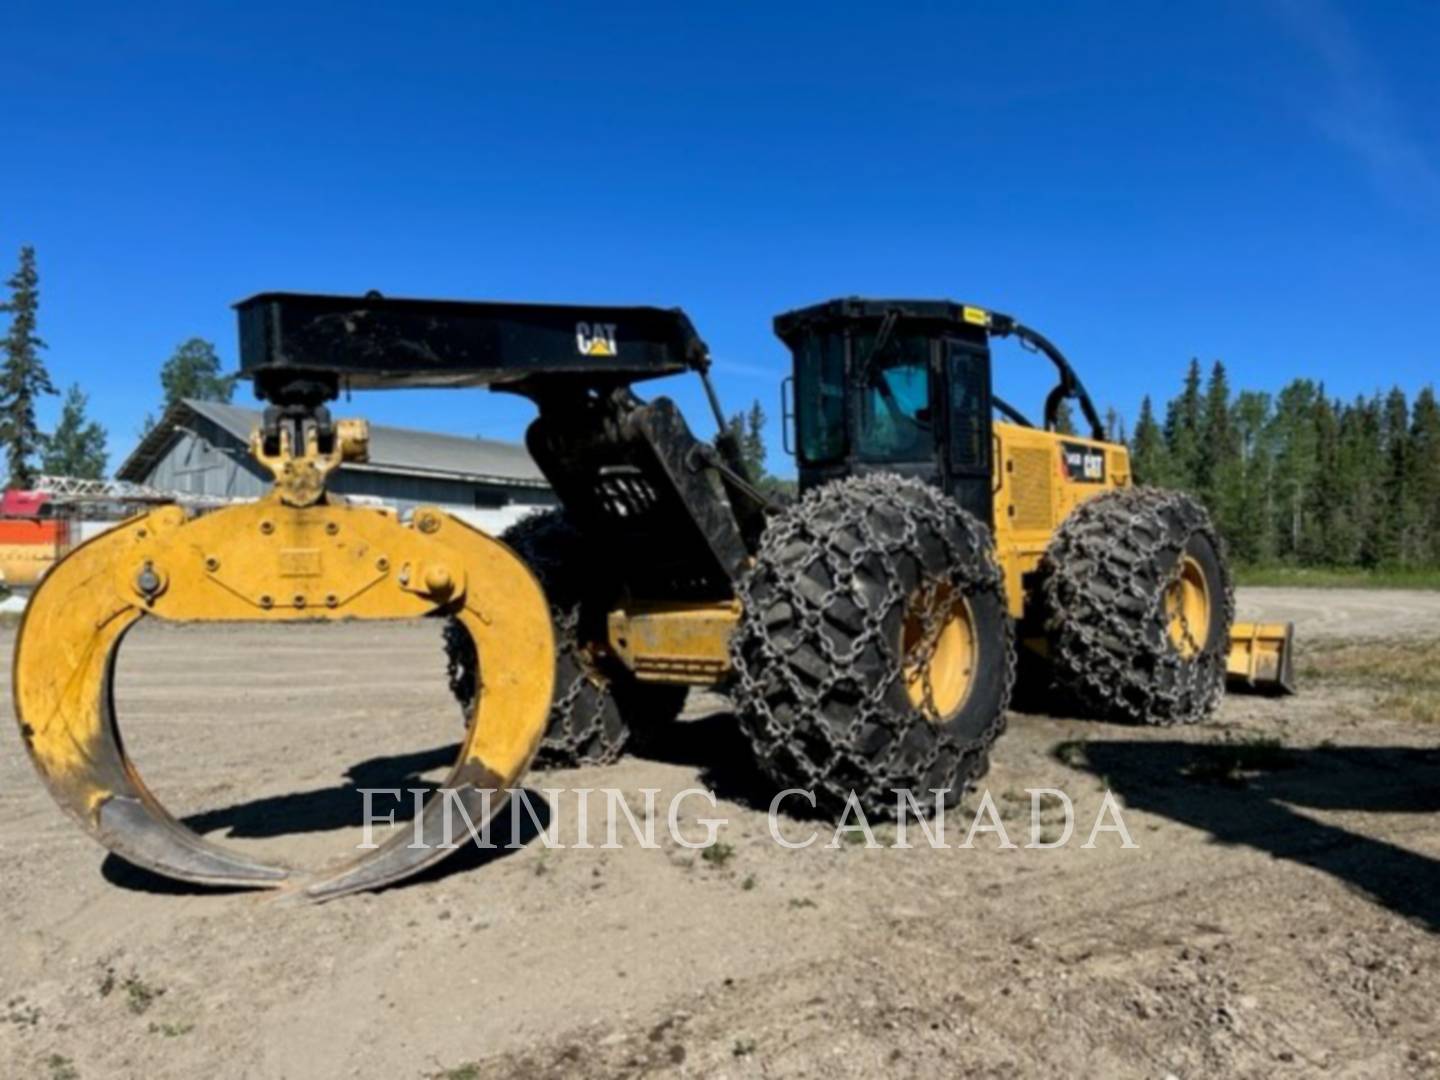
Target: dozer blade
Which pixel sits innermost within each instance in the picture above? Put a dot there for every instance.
(271, 562)
(1262, 658)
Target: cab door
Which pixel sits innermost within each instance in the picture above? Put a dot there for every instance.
(969, 443)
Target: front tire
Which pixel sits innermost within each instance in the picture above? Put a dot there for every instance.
(875, 651)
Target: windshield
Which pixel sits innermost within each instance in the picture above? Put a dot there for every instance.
(895, 416)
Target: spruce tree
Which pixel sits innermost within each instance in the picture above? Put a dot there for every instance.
(1065, 418)
(1218, 473)
(1293, 432)
(1255, 526)
(747, 429)
(1398, 531)
(1149, 457)
(23, 377)
(1182, 431)
(1321, 543)
(1114, 426)
(753, 445)
(1424, 479)
(77, 446)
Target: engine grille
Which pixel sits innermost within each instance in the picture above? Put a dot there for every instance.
(1031, 487)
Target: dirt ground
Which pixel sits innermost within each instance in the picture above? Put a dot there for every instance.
(1279, 916)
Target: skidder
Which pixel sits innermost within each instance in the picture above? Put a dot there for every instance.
(867, 632)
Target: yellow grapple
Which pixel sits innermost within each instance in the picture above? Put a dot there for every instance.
(293, 556)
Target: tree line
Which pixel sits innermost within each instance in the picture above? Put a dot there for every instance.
(78, 445)
(1296, 477)
(1299, 477)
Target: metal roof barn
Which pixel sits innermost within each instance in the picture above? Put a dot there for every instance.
(202, 448)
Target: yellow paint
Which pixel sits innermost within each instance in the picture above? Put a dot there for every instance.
(1034, 494)
(1261, 654)
(271, 561)
(675, 643)
(1187, 603)
(941, 686)
(300, 473)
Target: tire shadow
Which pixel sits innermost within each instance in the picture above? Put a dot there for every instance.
(715, 745)
(1255, 794)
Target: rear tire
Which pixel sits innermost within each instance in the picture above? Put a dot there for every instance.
(838, 686)
(593, 710)
(1111, 583)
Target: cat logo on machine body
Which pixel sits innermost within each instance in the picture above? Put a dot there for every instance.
(596, 339)
(1083, 464)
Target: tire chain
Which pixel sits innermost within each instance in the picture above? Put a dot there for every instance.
(577, 733)
(842, 533)
(1111, 539)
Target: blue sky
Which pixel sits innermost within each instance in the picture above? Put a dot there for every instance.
(1257, 182)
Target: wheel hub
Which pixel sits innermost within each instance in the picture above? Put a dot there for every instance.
(938, 643)
(1187, 603)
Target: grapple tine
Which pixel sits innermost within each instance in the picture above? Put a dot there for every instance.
(500, 739)
(133, 824)
(64, 697)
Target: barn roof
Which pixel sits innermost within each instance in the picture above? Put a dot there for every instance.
(395, 450)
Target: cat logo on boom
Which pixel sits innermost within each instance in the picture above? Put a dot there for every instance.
(596, 339)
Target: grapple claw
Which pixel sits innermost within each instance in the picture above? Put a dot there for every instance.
(272, 562)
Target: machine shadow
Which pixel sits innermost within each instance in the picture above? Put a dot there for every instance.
(342, 807)
(1256, 795)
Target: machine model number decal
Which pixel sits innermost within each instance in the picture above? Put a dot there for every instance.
(1083, 463)
(596, 339)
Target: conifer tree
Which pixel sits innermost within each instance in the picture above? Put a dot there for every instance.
(1219, 476)
(1293, 429)
(1065, 418)
(1182, 431)
(1150, 458)
(1254, 540)
(193, 371)
(23, 377)
(1397, 527)
(1424, 479)
(77, 446)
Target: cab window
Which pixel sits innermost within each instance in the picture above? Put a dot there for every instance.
(895, 418)
(820, 399)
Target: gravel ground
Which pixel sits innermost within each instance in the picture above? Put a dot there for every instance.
(1278, 916)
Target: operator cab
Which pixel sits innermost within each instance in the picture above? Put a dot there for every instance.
(894, 386)
(903, 386)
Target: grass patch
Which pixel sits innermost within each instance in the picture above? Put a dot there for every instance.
(1339, 577)
(1070, 753)
(140, 995)
(1406, 673)
(1231, 761)
(62, 1068)
(469, 1071)
(171, 1031)
(718, 853)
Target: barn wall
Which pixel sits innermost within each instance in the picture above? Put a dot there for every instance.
(207, 460)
